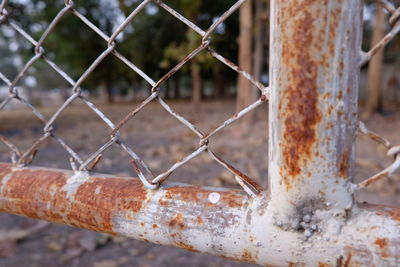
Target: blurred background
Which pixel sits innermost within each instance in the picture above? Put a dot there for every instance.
(205, 91)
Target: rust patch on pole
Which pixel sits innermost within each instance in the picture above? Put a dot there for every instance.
(344, 165)
(314, 80)
(298, 106)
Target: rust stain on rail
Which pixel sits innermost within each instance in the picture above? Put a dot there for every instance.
(185, 246)
(197, 194)
(96, 202)
(248, 257)
(382, 243)
(298, 108)
(115, 195)
(393, 213)
(30, 191)
(5, 169)
(177, 222)
(40, 193)
(380, 210)
(187, 194)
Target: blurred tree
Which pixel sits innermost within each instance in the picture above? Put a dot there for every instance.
(176, 51)
(261, 40)
(224, 41)
(203, 14)
(11, 44)
(375, 67)
(147, 41)
(147, 37)
(245, 95)
(8, 60)
(72, 44)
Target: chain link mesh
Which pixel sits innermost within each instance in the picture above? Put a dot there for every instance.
(149, 179)
(146, 175)
(394, 22)
(392, 150)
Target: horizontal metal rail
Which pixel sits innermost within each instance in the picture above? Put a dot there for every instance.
(223, 222)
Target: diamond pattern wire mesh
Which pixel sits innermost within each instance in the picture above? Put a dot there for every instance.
(148, 178)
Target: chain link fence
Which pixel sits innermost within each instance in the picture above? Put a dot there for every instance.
(150, 179)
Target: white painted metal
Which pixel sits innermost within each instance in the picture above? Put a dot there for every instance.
(314, 76)
(217, 221)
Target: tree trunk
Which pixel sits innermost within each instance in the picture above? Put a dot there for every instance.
(374, 96)
(176, 87)
(265, 16)
(219, 84)
(258, 55)
(197, 83)
(245, 95)
(167, 89)
(108, 92)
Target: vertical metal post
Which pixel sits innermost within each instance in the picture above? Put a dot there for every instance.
(314, 75)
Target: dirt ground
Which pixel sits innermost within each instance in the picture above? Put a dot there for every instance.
(161, 140)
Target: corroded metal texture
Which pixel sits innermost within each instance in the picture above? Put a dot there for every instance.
(314, 79)
(218, 221)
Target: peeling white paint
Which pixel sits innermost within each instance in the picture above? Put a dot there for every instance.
(5, 180)
(78, 177)
(98, 190)
(74, 181)
(247, 232)
(323, 172)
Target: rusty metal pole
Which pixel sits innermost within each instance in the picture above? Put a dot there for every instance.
(315, 47)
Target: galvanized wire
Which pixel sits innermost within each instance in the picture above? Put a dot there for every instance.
(147, 176)
(394, 22)
(392, 150)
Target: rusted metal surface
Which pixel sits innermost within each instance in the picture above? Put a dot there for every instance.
(217, 221)
(314, 80)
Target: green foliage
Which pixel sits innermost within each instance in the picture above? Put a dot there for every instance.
(154, 41)
(72, 44)
(203, 14)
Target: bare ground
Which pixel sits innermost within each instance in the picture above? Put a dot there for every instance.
(161, 140)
